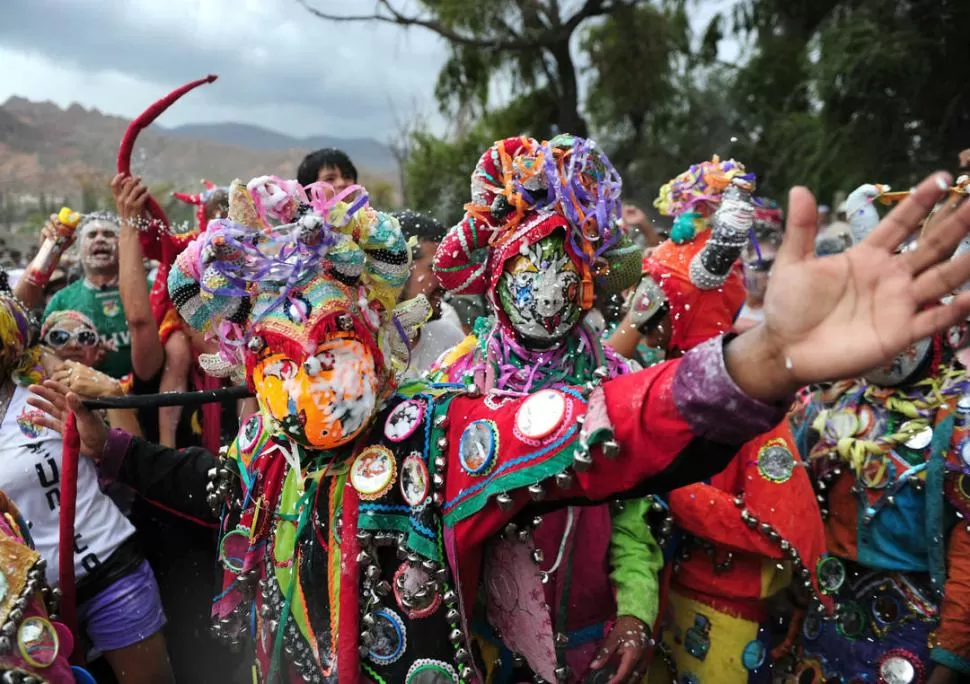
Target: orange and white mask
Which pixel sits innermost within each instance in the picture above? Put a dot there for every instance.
(325, 400)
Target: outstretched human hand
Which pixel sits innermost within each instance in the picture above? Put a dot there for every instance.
(628, 643)
(55, 400)
(840, 316)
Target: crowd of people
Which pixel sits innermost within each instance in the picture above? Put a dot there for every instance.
(556, 442)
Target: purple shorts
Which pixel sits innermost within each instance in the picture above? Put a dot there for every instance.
(128, 611)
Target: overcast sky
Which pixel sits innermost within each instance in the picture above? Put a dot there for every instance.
(278, 66)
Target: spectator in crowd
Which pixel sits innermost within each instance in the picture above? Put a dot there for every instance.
(638, 227)
(444, 330)
(97, 295)
(329, 165)
(181, 548)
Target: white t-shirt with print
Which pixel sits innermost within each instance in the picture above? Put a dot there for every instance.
(30, 474)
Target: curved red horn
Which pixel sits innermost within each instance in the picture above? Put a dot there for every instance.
(143, 121)
(185, 197)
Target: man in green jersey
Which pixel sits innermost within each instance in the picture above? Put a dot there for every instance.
(96, 295)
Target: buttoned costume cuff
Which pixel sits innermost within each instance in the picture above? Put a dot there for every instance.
(113, 455)
(713, 404)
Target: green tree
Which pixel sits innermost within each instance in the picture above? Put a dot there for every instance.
(526, 42)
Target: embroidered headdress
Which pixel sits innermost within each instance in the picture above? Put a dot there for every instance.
(291, 265)
(522, 191)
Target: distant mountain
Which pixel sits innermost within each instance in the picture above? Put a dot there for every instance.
(365, 152)
(47, 149)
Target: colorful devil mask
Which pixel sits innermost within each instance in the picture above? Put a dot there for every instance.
(523, 192)
(540, 291)
(300, 288)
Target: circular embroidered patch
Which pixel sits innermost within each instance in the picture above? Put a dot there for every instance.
(415, 591)
(478, 447)
(885, 609)
(251, 434)
(921, 439)
(414, 480)
(753, 655)
(869, 422)
(963, 484)
(812, 626)
(38, 642)
(390, 637)
(956, 336)
(898, 667)
(965, 451)
(963, 404)
(775, 461)
(404, 420)
(877, 471)
(427, 671)
(541, 414)
(372, 472)
(232, 550)
(851, 621)
(831, 574)
(842, 424)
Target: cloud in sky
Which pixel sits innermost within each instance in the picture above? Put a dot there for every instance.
(278, 66)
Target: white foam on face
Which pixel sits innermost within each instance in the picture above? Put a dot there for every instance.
(352, 384)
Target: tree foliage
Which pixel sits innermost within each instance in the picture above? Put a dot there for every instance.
(825, 93)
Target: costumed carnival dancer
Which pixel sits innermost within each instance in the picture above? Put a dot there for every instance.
(354, 521)
(743, 535)
(889, 453)
(549, 596)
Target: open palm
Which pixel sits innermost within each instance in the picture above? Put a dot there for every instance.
(840, 316)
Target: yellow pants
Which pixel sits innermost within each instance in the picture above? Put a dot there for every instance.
(699, 630)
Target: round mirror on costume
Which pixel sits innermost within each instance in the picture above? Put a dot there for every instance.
(323, 401)
(540, 291)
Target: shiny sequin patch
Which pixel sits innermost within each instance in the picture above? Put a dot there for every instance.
(415, 592)
(372, 472)
(921, 439)
(404, 420)
(754, 655)
(414, 481)
(541, 414)
(478, 447)
(426, 671)
(251, 434)
(899, 666)
(38, 642)
(390, 637)
(775, 461)
(831, 574)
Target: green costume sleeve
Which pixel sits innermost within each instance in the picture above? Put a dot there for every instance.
(636, 560)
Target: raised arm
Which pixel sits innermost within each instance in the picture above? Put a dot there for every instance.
(147, 353)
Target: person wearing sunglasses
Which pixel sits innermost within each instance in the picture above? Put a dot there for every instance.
(73, 337)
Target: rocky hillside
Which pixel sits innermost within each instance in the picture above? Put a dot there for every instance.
(46, 148)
